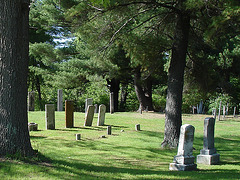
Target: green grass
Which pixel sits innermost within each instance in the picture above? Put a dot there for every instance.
(122, 155)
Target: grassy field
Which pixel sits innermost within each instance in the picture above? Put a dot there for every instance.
(126, 154)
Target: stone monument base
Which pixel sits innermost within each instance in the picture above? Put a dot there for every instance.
(208, 159)
(182, 167)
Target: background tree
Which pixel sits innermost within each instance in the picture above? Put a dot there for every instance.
(14, 62)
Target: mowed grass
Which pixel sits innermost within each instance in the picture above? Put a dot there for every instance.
(126, 154)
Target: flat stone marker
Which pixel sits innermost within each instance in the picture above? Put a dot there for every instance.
(101, 115)
(109, 130)
(89, 116)
(60, 100)
(69, 116)
(88, 102)
(184, 160)
(208, 154)
(137, 127)
(50, 116)
(32, 126)
(78, 137)
(31, 100)
(111, 103)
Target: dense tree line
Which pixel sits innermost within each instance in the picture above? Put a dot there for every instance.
(141, 44)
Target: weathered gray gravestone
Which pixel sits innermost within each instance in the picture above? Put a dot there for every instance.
(31, 99)
(234, 112)
(224, 111)
(96, 108)
(60, 100)
(208, 154)
(219, 112)
(88, 102)
(50, 116)
(69, 114)
(101, 115)
(214, 113)
(184, 160)
(111, 103)
(89, 116)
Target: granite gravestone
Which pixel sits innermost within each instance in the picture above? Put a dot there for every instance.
(50, 116)
(88, 102)
(208, 154)
(101, 115)
(60, 100)
(89, 116)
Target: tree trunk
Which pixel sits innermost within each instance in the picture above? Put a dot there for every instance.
(124, 94)
(114, 87)
(14, 135)
(143, 91)
(38, 86)
(173, 119)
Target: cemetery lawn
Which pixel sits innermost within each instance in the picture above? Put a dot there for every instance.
(123, 155)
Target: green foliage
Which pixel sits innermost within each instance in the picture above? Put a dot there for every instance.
(224, 99)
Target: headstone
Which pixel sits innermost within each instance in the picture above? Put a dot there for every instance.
(214, 113)
(111, 103)
(78, 137)
(60, 100)
(219, 112)
(88, 102)
(227, 109)
(194, 109)
(101, 115)
(50, 116)
(32, 126)
(31, 99)
(224, 111)
(234, 112)
(208, 154)
(69, 113)
(109, 130)
(96, 108)
(137, 127)
(89, 116)
(184, 160)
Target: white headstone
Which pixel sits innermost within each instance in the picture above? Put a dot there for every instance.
(184, 160)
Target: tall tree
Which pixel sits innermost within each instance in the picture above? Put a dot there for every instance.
(14, 135)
